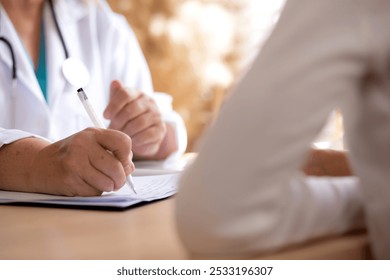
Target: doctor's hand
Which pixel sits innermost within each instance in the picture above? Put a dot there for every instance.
(85, 164)
(137, 115)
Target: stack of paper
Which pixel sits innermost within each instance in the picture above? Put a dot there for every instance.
(148, 188)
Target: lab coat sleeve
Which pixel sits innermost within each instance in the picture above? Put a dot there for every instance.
(128, 64)
(245, 193)
(7, 136)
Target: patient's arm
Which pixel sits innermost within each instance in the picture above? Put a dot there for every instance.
(327, 163)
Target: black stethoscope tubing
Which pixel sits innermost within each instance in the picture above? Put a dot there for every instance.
(9, 45)
(58, 29)
(12, 56)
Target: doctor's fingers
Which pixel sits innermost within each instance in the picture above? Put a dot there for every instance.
(74, 178)
(82, 187)
(147, 150)
(132, 110)
(143, 122)
(119, 97)
(107, 172)
(119, 144)
(147, 142)
(92, 170)
(149, 136)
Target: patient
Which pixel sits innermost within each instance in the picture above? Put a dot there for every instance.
(246, 194)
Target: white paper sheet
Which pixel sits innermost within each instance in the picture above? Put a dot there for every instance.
(149, 188)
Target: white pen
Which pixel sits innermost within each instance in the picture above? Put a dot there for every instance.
(99, 124)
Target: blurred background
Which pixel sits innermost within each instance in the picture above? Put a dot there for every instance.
(198, 49)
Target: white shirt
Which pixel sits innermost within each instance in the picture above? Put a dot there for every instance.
(104, 42)
(245, 193)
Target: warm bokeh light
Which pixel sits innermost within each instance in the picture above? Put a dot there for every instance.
(196, 49)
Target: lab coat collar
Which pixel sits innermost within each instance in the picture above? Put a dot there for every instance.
(24, 66)
(68, 13)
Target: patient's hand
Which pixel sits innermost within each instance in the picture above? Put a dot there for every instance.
(327, 163)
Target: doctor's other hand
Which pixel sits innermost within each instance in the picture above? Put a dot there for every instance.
(85, 164)
(137, 115)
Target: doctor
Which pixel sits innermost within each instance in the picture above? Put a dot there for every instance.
(45, 143)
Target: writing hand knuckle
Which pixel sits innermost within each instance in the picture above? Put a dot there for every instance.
(144, 122)
(126, 139)
(69, 180)
(158, 117)
(128, 110)
(69, 165)
(89, 130)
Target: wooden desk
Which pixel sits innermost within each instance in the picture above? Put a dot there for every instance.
(146, 232)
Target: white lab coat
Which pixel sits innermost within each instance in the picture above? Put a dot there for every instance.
(108, 48)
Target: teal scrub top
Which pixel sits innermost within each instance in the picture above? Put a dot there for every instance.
(40, 71)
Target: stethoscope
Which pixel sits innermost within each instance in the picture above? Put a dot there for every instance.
(74, 70)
